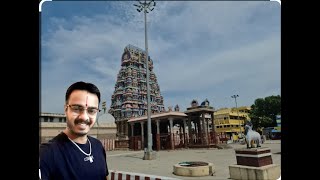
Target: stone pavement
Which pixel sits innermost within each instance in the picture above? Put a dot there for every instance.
(131, 161)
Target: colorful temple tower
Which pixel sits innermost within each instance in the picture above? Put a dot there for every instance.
(130, 95)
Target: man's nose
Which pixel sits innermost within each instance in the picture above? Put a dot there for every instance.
(84, 114)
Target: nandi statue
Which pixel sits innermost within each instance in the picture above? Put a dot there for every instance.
(251, 136)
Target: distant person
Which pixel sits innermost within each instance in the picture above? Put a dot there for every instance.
(73, 154)
(194, 138)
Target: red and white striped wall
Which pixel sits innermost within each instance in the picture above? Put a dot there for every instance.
(108, 144)
(121, 175)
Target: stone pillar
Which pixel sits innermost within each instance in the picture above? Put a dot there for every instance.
(190, 140)
(180, 135)
(121, 127)
(132, 136)
(142, 135)
(132, 129)
(158, 136)
(171, 133)
(213, 131)
(184, 133)
(198, 130)
(126, 132)
(204, 131)
(118, 127)
(208, 132)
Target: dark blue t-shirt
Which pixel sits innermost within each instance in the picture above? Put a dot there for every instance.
(61, 159)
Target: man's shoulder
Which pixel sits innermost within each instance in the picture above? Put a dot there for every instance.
(53, 143)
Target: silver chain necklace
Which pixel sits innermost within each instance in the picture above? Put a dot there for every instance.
(90, 157)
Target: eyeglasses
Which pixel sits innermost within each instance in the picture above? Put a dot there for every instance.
(92, 111)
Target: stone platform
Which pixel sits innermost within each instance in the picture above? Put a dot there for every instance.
(254, 164)
(256, 157)
(268, 172)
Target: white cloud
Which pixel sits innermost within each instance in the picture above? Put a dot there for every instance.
(200, 50)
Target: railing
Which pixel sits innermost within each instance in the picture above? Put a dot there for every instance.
(108, 144)
(135, 143)
(122, 175)
(121, 143)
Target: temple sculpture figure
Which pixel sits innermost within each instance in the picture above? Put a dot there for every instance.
(251, 136)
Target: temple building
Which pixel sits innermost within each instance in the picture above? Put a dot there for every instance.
(130, 94)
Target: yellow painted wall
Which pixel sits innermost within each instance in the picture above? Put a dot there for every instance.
(227, 119)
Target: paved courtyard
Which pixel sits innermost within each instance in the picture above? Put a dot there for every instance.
(131, 161)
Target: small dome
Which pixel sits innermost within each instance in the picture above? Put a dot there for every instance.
(106, 118)
(205, 103)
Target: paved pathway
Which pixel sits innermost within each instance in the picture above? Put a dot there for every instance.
(131, 161)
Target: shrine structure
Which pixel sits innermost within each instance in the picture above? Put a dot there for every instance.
(175, 129)
(130, 94)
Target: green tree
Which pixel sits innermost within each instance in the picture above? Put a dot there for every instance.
(264, 110)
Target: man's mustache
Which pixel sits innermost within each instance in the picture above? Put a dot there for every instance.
(77, 121)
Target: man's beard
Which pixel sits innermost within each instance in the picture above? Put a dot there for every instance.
(79, 133)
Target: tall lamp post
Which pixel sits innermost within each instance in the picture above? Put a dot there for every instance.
(235, 99)
(146, 7)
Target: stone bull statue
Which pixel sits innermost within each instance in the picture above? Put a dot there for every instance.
(251, 136)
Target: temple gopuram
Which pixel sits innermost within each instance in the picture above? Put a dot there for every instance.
(129, 99)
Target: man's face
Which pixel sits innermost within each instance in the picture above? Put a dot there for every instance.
(81, 112)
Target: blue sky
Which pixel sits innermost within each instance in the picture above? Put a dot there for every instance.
(207, 49)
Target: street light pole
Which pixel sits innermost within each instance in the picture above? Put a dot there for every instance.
(104, 107)
(235, 99)
(145, 6)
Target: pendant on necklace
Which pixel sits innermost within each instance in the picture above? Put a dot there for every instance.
(89, 158)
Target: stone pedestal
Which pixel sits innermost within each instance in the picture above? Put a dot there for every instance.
(149, 155)
(158, 142)
(256, 157)
(254, 164)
